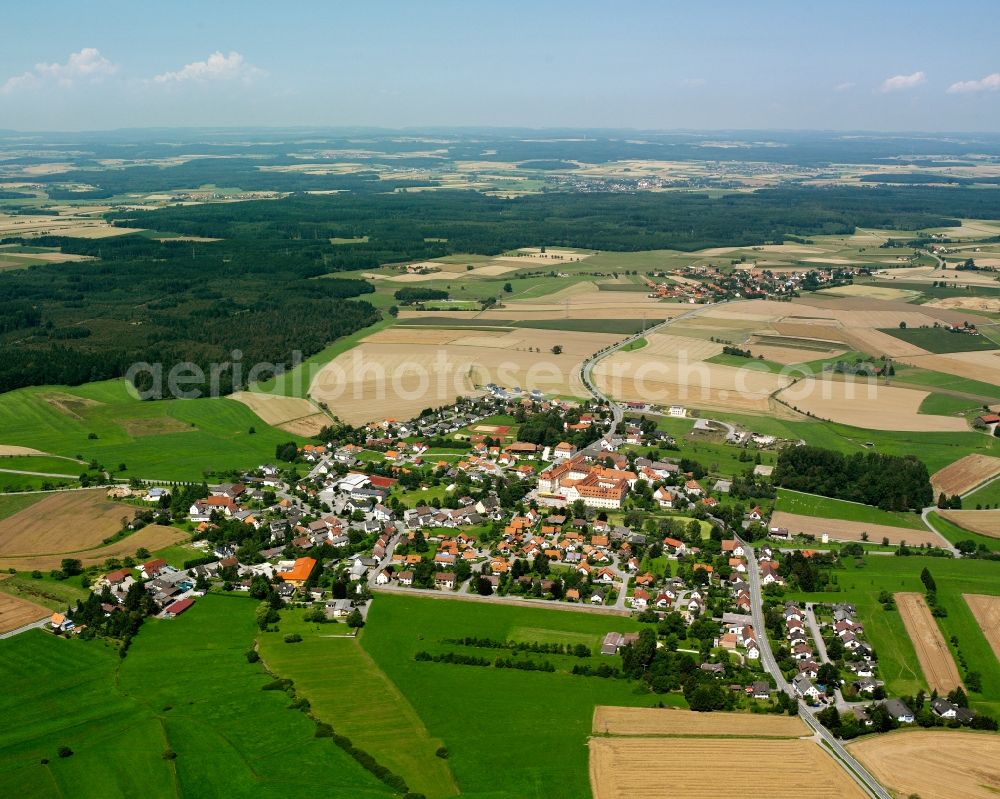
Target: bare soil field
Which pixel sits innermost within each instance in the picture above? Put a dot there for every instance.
(984, 522)
(642, 376)
(153, 537)
(965, 474)
(384, 377)
(671, 721)
(843, 530)
(867, 404)
(76, 226)
(681, 768)
(940, 764)
(62, 522)
(16, 612)
(292, 414)
(933, 654)
(10, 449)
(986, 609)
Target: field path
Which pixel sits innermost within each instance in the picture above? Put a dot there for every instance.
(935, 658)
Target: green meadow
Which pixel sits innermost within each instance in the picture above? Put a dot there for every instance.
(815, 505)
(372, 690)
(346, 688)
(954, 533)
(185, 687)
(897, 659)
(160, 440)
(509, 732)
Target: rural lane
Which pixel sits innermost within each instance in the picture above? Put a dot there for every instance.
(33, 626)
(587, 367)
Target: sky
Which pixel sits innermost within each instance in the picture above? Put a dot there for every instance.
(885, 66)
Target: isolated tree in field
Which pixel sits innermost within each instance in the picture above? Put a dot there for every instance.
(902, 325)
(507, 287)
(928, 580)
(557, 349)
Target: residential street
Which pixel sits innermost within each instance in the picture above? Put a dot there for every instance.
(858, 772)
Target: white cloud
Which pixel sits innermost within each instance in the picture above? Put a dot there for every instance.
(216, 67)
(843, 87)
(86, 65)
(899, 82)
(990, 83)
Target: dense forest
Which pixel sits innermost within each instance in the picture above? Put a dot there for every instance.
(398, 224)
(890, 482)
(163, 302)
(255, 289)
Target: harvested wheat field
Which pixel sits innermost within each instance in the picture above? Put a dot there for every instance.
(991, 304)
(693, 768)
(965, 474)
(293, 414)
(383, 377)
(982, 365)
(872, 292)
(984, 522)
(670, 346)
(933, 654)
(641, 376)
(942, 764)
(152, 537)
(671, 721)
(842, 530)
(62, 522)
(986, 609)
(789, 355)
(869, 404)
(16, 612)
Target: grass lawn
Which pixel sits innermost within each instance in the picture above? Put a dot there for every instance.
(947, 405)
(925, 378)
(185, 686)
(989, 494)
(348, 690)
(939, 340)
(47, 591)
(161, 440)
(632, 346)
(509, 733)
(954, 533)
(815, 505)
(745, 363)
(43, 464)
(11, 504)
(897, 659)
(617, 326)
